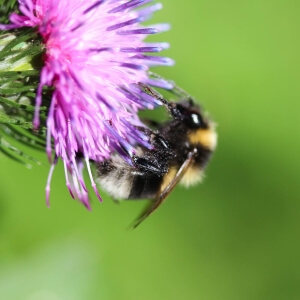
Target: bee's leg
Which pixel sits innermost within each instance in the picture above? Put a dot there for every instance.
(148, 165)
(163, 195)
(156, 159)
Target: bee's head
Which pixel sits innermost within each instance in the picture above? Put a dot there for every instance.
(189, 113)
(200, 130)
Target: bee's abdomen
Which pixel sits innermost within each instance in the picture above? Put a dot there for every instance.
(145, 185)
(123, 181)
(115, 183)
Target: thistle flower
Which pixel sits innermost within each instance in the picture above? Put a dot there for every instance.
(94, 59)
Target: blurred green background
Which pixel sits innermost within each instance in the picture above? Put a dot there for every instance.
(236, 236)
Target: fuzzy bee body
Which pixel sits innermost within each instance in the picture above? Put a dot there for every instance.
(124, 181)
(180, 151)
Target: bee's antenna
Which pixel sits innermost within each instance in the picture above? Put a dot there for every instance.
(171, 106)
(176, 90)
(155, 94)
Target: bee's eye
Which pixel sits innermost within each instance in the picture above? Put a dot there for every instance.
(194, 121)
(190, 116)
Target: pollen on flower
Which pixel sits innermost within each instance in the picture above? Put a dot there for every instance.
(95, 58)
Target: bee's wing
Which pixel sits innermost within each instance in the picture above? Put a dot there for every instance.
(160, 199)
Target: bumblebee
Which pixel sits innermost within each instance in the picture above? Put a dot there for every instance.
(181, 149)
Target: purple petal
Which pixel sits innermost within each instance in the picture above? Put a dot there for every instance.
(96, 4)
(129, 4)
(141, 49)
(126, 23)
(139, 31)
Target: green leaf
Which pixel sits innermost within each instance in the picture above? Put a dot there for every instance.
(6, 8)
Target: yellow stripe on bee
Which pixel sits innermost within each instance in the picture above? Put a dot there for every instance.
(204, 137)
(193, 176)
(168, 178)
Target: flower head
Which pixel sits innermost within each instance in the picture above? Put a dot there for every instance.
(94, 58)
